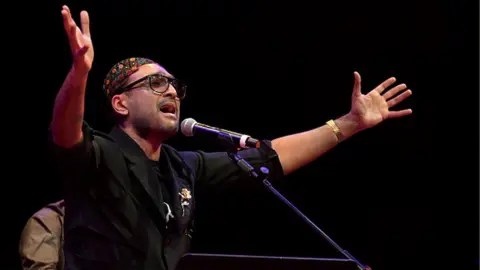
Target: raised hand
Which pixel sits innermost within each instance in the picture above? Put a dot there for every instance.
(80, 41)
(373, 108)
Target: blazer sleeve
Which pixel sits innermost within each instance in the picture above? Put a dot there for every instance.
(76, 164)
(216, 171)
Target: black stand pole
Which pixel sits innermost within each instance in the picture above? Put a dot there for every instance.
(262, 175)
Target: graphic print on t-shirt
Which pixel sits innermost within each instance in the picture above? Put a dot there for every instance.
(169, 212)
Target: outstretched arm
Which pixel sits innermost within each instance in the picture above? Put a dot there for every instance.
(68, 109)
(297, 150)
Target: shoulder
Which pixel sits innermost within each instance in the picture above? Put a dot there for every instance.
(42, 237)
(44, 227)
(190, 158)
(101, 141)
(49, 218)
(90, 136)
(185, 160)
(57, 208)
(102, 137)
(94, 134)
(172, 152)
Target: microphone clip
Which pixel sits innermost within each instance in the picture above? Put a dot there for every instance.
(227, 142)
(232, 152)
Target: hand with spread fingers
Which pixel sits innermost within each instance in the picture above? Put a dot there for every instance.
(372, 108)
(79, 39)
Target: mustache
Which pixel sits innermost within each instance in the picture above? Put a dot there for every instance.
(168, 104)
(167, 101)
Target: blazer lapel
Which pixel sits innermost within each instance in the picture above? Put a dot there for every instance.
(175, 186)
(138, 165)
(171, 183)
(144, 174)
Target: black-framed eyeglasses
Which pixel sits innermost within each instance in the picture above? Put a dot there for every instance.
(159, 84)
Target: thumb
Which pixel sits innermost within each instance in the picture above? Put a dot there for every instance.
(79, 61)
(357, 88)
(81, 52)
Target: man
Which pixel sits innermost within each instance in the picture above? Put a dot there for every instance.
(129, 196)
(41, 241)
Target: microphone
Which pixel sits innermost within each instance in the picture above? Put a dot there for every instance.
(190, 127)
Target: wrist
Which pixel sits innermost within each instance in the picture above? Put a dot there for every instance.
(348, 125)
(77, 77)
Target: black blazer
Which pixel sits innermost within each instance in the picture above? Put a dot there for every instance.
(115, 216)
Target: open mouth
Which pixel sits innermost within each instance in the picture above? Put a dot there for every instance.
(168, 108)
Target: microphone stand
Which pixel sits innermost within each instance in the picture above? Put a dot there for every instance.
(262, 175)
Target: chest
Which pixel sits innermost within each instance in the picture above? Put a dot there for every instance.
(143, 193)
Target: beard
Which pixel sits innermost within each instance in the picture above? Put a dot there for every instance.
(154, 125)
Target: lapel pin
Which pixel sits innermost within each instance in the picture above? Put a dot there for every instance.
(185, 196)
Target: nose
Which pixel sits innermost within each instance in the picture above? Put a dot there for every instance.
(171, 92)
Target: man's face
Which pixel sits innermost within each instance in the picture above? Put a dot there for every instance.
(149, 112)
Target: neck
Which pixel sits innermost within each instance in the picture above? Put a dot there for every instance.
(149, 143)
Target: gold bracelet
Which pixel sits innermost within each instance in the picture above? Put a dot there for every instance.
(336, 130)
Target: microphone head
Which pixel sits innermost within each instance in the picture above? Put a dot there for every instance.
(187, 126)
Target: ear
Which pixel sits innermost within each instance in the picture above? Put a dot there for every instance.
(120, 104)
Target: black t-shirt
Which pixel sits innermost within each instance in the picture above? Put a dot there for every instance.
(163, 193)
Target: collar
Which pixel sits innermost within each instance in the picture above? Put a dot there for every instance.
(131, 148)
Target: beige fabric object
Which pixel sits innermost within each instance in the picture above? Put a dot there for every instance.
(41, 241)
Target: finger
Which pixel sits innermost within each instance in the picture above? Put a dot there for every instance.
(66, 20)
(399, 98)
(70, 28)
(69, 13)
(381, 87)
(397, 114)
(392, 92)
(75, 42)
(71, 33)
(357, 85)
(66, 8)
(85, 22)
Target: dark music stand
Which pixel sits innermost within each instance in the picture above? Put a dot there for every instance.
(202, 261)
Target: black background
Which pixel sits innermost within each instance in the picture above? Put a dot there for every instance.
(403, 195)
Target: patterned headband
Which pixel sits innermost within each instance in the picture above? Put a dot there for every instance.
(122, 70)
